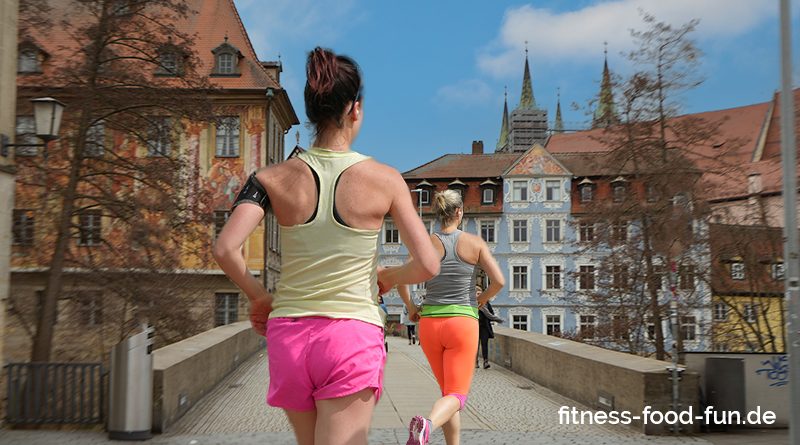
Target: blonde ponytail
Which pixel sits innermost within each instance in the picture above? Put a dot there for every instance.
(446, 204)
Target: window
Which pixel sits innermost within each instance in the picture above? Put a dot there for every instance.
(488, 196)
(618, 191)
(225, 63)
(552, 190)
(26, 134)
(620, 327)
(680, 200)
(651, 331)
(588, 326)
(159, 136)
(586, 232)
(120, 7)
(619, 232)
(390, 233)
(28, 61)
(226, 309)
(425, 197)
(720, 311)
(520, 231)
(89, 225)
(553, 230)
(519, 276)
(720, 347)
(90, 307)
(552, 277)
(520, 191)
(651, 193)
(228, 137)
(737, 271)
(220, 218)
(586, 278)
(688, 328)
(777, 271)
(619, 276)
(749, 312)
(553, 324)
(95, 140)
(22, 229)
(487, 231)
(169, 63)
(587, 193)
(519, 322)
(686, 277)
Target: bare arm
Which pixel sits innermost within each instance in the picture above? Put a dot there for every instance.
(228, 253)
(496, 278)
(402, 289)
(424, 263)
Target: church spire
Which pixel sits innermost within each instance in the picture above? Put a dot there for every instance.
(526, 99)
(502, 142)
(605, 114)
(559, 125)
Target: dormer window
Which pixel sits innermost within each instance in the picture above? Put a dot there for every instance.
(424, 197)
(29, 59)
(651, 193)
(460, 187)
(488, 188)
(226, 60)
(619, 189)
(169, 62)
(586, 189)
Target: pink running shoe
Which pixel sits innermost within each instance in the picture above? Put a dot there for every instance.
(418, 431)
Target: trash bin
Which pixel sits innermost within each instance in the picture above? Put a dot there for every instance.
(131, 388)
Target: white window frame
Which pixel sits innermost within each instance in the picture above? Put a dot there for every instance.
(226, 141)
(721, 311)
(586, 225)
(522, 188)
(28, 61)
(559, 275)
(578, 285)
(493, 224)
(390, 228)
(587, 192)
(581, 325)
(91, 234)
(738, 272)
(513, 273)
(750, 312)
(226, 63)
(159, 136)
(685, 324)
(548, 230)
(26, 134)
(548, 323)
(226, 308)
(514, 231)
(524, 320)
(777, 271)
(95, 143)
(490, 199)
(548, 187)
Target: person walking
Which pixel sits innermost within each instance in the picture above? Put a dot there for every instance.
(448, 321)
(323, 325)
(486, 316)
(411, 325)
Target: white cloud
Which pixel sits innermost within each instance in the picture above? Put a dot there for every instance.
(580, 34)
(465, 92)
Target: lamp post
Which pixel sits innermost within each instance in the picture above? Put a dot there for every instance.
(419, 201)
(47, 113)
(267, 225)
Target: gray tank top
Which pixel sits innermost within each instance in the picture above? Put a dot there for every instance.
(455, 283)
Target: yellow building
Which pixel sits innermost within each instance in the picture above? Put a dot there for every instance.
(119, 270)
(747, 283)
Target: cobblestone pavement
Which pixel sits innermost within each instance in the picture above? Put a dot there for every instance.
(503, 408)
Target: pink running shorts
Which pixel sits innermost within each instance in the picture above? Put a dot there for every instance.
(317, 358)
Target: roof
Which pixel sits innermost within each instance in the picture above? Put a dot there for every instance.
(464, 166)
(756, 246)
(726, 158)
(209, 21)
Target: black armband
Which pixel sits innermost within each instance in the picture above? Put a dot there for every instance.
(252, 192)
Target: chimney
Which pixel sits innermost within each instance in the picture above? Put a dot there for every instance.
(754, 184)
(477, 147)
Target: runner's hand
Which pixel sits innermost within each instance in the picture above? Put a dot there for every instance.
(382, 287)
(259, 313)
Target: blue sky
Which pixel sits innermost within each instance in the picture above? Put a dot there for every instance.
(435, 71)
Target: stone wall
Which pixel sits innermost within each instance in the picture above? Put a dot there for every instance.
(598, 378)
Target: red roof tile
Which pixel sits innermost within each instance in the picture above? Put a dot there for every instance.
(464, 166)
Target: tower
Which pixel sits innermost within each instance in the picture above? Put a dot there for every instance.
(559, 125)
(605, 114)
(528, 123)
(503, 140)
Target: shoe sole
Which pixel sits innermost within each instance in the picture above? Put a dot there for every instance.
(414, 436)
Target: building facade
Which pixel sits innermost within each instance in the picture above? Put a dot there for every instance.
(111, 278)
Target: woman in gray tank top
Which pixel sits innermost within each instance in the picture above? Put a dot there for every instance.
(448, 327)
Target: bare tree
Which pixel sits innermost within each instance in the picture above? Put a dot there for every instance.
(130, 79)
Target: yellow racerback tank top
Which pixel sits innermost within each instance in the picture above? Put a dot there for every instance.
(327, 268)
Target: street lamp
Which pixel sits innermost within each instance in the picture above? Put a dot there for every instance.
(419, 201)
(270, 94)
(47, 114)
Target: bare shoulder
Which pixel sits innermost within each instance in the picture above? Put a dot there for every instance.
(278, 173)
(379, 174)
(473, 241)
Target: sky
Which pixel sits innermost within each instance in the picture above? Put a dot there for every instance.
(435, 71)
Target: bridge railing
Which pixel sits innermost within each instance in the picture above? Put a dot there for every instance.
(598, 378)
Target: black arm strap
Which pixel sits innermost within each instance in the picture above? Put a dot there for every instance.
(252, 193)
